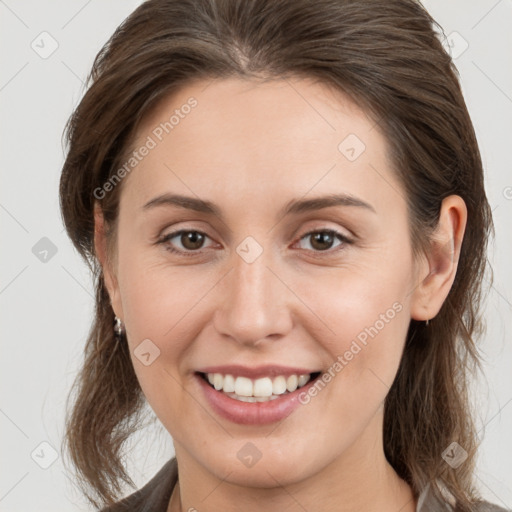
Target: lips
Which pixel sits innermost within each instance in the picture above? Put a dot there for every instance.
(254, 395)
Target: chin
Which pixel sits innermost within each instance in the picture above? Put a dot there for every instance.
(249, 466)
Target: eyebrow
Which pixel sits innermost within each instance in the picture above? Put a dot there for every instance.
(295, 206)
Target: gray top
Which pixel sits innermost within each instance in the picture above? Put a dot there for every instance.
(428, 503)
(155, 496)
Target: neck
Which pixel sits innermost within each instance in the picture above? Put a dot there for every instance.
(359, 479)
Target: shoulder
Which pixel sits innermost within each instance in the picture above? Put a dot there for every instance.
(484, 506)
(429, 502)
(154, 496)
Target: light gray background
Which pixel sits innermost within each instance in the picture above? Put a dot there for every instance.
(46, 306)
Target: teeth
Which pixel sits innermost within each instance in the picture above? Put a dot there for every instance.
(292, 382)
(263, 387)
(218, 381)
(258, 390)
(229, 384)
(303, 379)
(279, 385)
(243, 386)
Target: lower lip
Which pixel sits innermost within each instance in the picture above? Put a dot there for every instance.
(252, 413)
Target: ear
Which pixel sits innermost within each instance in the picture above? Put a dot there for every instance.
(436, 272)
(107, 265)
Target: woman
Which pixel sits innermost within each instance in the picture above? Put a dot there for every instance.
(283, 204)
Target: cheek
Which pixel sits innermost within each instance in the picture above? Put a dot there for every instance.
(358, 303)
(157, 296)
(363, 318)
(164, 314)
(162, 305)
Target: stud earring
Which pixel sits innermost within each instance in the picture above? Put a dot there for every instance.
(118, 327)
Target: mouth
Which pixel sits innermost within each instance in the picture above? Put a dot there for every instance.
(262, 389)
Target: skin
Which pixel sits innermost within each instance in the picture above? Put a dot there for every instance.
(250, 148)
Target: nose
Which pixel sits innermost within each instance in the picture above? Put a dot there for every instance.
(253, 303)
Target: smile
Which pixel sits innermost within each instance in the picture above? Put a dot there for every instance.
(263, 389)
(250, 395)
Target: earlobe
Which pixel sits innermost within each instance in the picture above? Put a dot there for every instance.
(437, 271)
(101, 249)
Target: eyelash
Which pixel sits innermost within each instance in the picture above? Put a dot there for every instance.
(190, 253)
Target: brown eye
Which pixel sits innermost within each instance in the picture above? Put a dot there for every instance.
(187, 242)
(324, 240)
(192, 240)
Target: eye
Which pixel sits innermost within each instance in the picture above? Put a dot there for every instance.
(191, 241)
(323, 240)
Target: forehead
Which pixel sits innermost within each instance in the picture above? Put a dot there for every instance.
(273, 139)
(269, 113)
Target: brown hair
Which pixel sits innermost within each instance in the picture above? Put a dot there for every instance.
(386, 56)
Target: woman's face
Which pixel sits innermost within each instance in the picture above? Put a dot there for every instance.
(251, 290)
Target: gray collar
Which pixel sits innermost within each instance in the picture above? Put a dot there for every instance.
(427, 502)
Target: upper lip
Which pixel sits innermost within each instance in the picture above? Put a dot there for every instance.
(257, 371)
